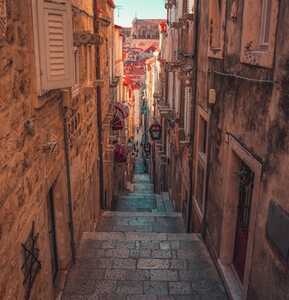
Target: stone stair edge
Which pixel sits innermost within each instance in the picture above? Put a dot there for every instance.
(140, 214)
(139, 236)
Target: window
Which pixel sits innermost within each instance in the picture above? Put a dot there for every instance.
(202, 136)
(187, 121)
(89, 64)
(216, 30)
(201, 160)
(171, 89)
(3, 18)
(265, 22)
(53, 34)
(259, 32)
(190, 6)
(177, 95)
(76, 74)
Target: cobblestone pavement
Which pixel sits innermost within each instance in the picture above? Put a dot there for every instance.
(138, 254)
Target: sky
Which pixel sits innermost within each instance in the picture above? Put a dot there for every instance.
(127, 10)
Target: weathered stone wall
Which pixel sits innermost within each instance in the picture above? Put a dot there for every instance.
(32, 160)
(257, 115)
(106, 56)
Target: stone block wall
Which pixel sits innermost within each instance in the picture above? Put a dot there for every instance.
(32, 161)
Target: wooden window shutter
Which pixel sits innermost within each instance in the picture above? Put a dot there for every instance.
(55, 44)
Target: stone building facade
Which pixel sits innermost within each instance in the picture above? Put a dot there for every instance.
(231, 160)
(242, 104)
(143, 29)
(173, 99)
(50, 113)
(105, 89)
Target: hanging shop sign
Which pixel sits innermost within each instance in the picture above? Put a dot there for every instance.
(156, 131)
(120, 154)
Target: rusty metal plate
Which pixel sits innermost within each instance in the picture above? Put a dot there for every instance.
(278, 228)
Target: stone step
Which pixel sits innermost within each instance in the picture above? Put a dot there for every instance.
(137, 236)
(140, 214)
(160, 223)
(138, 195)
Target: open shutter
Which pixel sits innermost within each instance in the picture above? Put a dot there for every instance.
(55, 44)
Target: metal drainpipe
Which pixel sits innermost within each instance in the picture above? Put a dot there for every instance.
(68, 177)
(195, 82)
(99, 110)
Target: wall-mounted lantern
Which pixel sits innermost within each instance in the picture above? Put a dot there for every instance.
(156, 131)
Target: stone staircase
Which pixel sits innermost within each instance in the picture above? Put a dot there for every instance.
(143, 265)
(141, 251)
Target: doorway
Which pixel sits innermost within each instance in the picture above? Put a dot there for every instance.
(246, 185)
(242, 184)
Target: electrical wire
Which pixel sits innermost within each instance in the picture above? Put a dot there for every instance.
(244, 78)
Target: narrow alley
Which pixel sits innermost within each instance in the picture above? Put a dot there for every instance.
(144, 149)
(140, 251)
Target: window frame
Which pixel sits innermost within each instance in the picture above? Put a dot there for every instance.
(44, 83)
(201, 159)
(187, 108)
(76, 71)
(254, 51)
(265, 23)
(218, 51)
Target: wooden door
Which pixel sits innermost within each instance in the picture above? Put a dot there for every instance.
(246, 177)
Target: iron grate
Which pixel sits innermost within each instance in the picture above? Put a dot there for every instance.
(31, 264)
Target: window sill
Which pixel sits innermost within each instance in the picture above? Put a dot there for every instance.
(261, 56)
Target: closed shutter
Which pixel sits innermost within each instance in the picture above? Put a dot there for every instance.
(190, 7)
(55, 44)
